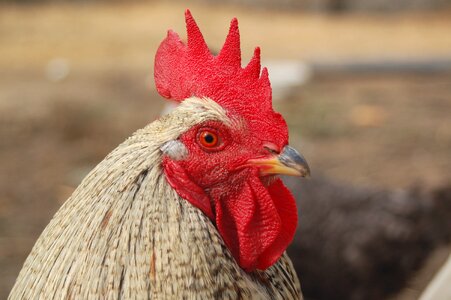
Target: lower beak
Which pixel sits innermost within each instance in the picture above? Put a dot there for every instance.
(289, 162)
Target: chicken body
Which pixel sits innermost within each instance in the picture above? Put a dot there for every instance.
(125, 233)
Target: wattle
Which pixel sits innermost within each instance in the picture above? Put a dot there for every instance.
(256, 222)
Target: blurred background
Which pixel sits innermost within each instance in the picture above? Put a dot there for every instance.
(365, 86)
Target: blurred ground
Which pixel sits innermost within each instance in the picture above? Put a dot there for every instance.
(75, 82)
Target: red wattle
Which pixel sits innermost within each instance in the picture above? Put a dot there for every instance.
(286, 209)
(257, 223)
(186, 188)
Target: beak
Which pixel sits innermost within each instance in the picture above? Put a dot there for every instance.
(289, 162)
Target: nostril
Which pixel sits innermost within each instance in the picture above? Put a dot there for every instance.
(271, 147)
(272, 151)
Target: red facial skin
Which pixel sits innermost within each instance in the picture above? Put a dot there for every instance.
(257, 222)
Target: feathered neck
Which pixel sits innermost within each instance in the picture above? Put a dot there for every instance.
(102, 240)
(125, 233)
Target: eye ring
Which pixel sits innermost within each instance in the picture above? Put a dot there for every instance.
(212, 138)
(208, 138)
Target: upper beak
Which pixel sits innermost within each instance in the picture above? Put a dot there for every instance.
(289, 162)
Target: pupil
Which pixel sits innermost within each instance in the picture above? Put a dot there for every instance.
(209, 138)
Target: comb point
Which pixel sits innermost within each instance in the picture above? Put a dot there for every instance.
(253, 67)
(230, 53)
(196, 41)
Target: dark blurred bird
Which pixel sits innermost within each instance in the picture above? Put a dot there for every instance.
(188, 207)
(364, 243)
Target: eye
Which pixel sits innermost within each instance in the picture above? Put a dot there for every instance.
(208, 138)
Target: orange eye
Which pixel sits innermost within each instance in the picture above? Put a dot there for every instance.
(208, 139)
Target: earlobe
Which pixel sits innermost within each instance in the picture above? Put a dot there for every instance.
(175, 149)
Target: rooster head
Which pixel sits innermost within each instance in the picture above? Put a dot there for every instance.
(227, 163)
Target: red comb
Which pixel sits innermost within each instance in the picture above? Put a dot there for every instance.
(182, 71)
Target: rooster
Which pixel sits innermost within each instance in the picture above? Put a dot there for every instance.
(189, 206)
